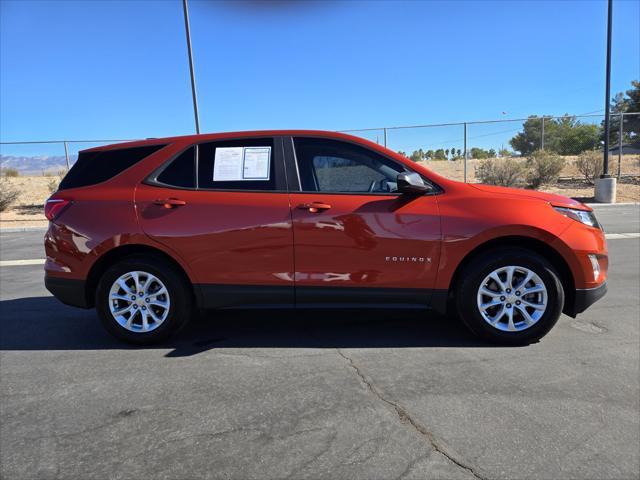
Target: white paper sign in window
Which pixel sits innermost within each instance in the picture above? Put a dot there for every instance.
(227, 165)
(256, 163)
(241, 164)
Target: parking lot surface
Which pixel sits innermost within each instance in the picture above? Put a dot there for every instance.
(346, 394)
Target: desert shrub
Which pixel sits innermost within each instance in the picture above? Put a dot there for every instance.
(544, 167)
(589, 164)
(11, 172)
(504, 172)
(8, 194)
(52, 184)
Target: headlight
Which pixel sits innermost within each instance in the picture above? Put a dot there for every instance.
(582, 216)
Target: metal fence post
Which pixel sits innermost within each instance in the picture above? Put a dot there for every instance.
(620, 135)
(542, 135)
(465, 152)
(66, 154)
(385, 137)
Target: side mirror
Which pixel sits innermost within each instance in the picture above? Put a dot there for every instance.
(411, 183)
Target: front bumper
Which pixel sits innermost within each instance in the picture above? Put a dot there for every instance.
(68, 291)
(584, 298)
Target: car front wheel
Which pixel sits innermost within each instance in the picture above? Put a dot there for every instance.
(510, 296)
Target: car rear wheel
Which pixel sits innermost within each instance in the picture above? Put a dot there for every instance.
(143, 300)
(511, 296)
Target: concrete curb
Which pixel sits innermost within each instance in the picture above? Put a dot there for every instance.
(622, 204)
(22, 229)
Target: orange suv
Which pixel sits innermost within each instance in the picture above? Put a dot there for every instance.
(147, 231)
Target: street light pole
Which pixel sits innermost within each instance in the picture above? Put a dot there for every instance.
(605, 169)
(193, 78)
(605, 190)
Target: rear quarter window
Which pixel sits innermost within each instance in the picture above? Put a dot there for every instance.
(100, 166)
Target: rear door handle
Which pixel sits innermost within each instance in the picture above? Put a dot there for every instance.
(314, 207)
(169, 202)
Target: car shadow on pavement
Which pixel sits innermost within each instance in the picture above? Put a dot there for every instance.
(43, 323)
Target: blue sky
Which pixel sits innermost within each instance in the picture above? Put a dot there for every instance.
(118, 69)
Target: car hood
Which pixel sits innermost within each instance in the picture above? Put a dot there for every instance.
(552, 198)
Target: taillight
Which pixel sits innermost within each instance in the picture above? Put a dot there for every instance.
(54, 207)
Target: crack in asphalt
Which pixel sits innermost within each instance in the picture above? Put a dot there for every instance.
(405, 418)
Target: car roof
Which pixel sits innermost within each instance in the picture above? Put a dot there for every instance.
(204, 137)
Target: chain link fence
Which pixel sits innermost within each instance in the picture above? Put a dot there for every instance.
(454, 150)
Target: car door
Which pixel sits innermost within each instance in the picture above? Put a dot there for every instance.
(223, 208)
(356, 239)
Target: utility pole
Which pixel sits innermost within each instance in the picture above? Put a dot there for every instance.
(606, 185)
(193, 78)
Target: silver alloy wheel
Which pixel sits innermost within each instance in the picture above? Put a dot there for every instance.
(512, 298)
(139, 301)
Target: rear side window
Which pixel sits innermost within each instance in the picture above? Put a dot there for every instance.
(243, 164)
(99, 166)
(181, 172)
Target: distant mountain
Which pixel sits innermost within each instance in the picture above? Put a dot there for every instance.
(35, 165)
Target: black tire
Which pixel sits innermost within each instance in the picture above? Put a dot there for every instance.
(178, 288)
(487, 262)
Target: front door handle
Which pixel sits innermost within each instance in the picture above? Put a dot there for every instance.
(169, 202)
(314, 207)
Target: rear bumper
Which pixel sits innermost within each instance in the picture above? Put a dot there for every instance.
(586, 297)
(68, 291)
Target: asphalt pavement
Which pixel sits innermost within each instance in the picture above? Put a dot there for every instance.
(347, 394)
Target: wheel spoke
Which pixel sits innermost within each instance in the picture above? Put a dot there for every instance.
(496, 319)
(496, 278)
(492, 303)
(145, 320)
(129, 323)
(510, 326)
(489, 293)
(526, 280)
(154, 316)
(123, 310)
(117, 296)
(527, 317)
(136, 280)
(124, 286)
(537, 306)
(509, 281)
(534, 289)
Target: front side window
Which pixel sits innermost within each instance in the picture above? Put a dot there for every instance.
(339, 167)
(242, 164)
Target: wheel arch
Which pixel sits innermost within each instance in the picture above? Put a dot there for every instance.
(529, 243)
(115, 254)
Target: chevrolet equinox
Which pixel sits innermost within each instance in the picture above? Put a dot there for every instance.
(147, 231)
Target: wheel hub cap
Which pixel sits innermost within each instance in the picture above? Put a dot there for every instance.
(139, 301)
(512, 298)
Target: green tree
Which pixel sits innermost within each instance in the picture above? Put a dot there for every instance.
(439, 154)
(530, 138)
(479, 153)
(400, 152)
(459, 153)
(627, 102)
(492, 153)
(565, 135)
(430, 154)
(417, 155)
